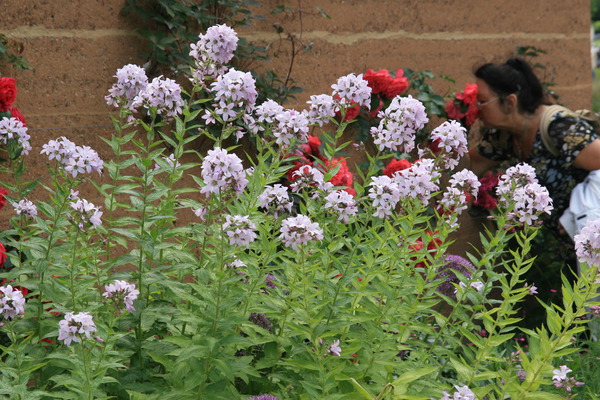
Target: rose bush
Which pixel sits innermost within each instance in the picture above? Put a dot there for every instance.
(250, 285)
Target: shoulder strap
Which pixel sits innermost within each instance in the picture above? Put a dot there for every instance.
(545, 123)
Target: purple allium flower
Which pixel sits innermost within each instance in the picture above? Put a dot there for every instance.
(275, 199)
(352, 88)
(453, 264)
(335, 348)
(263, 397)
(122, 293)
(164, 94)
(217, 45)
(131, 80)
(419, 181)
(12, 302)
(322, 109)
(239, 229)
(587, 243)
(342, 204)
(291, 125)
(87, 213)
(385, 194)
(462, 393)
(310, 179)
(261, 320)
(13, 129)
(223, 172)
(451, 139)
(25, 207)
(299, 230)
(399, 123)
(270, 280)
(74, 326)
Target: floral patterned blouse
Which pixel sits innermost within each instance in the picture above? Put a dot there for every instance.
(556, 173)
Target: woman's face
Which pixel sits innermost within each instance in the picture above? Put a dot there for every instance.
(488, 103)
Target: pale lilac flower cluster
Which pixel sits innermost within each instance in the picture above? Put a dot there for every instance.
(587, 243)
(25, 207)
(321, 109)
(12, 302)
(213, 49)
(131, 80)
(87, 214)
(235, 88)
(310, 179)
(267, 112)
(291, 125)
(12, 128)
(75, 159)
(223, 172)
(561, 380)
(451, 139)
(519, 188)
(263, 397)
(419, 181)
(454, 200)
(385, 194)
(275, 199)
(123, 293)
(399, 123)
(477, 285)
(462, 393)
(299, 230)
(335, 349)
(342, 204)
(200, 212)
(164, 94)
(74, 326)
(352, 89)
(240, 230)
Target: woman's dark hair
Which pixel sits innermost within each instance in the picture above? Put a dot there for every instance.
(514, 76)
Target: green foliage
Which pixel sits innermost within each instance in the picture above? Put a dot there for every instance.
(10, 53)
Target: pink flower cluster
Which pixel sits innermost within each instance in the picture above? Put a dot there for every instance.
(299, 230)
(587, 243)
(462, 393)
(223, 172)
(75, 326)
(275, 199)
(75, 159)
(12, 302)
(520, 193)
(123, 293)
(561, 380)
(399, 123)
(26, 208)
(87, 214)
(211, 51)
(131, 80)
(342, 205)
(14, 129)
(240, 230)
(462, 186)
(451, 139)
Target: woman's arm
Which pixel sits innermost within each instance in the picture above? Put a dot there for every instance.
(589, 157)
(479, 164)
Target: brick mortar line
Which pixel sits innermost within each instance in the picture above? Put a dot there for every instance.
(345, 38)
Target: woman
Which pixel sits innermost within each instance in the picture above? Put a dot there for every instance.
(511, 102)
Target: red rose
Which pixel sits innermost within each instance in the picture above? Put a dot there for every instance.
(2, 257)
(310, 149)
(8, 92)
(344, 177)
(470, 93)
(471, 115)
(453, 111)
(395, 166)
(3, 193)
(378, 80)
(15, 113)
(487, 201)
(397, 85)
